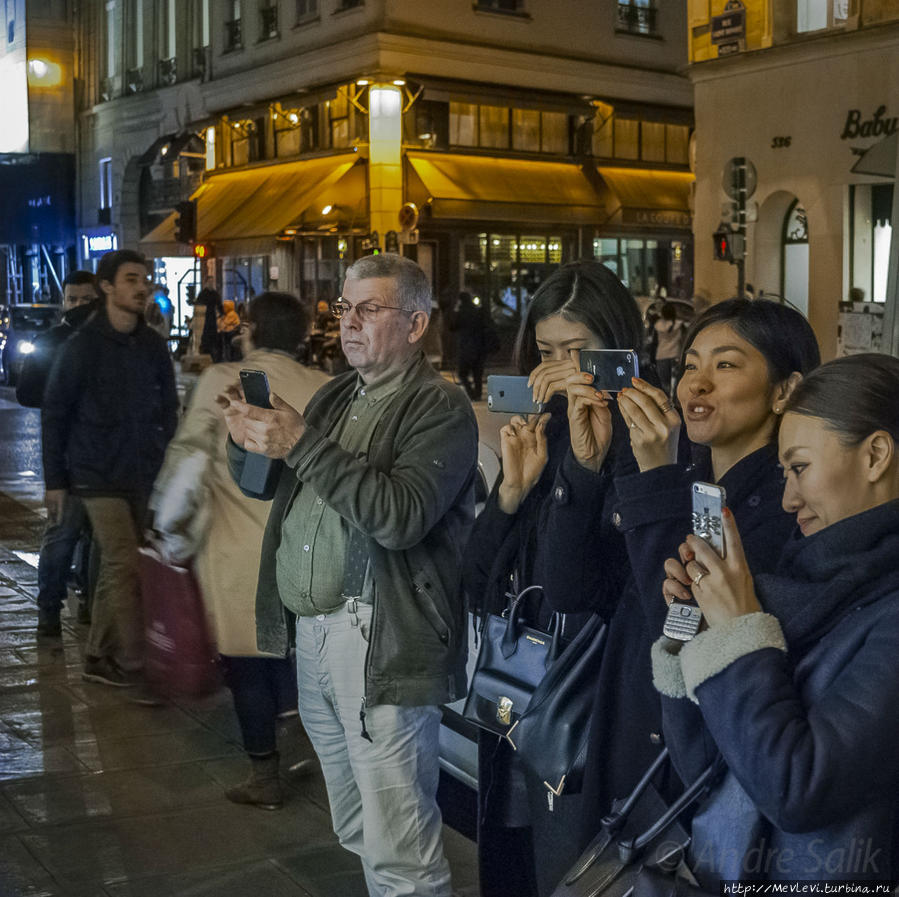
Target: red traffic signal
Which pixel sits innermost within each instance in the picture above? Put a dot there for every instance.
(728, 245)
(202, 251)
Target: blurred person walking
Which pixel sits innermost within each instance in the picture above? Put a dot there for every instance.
(473, 328)
(109, 410)
(226, 564)
(61, 536)
(210, 299)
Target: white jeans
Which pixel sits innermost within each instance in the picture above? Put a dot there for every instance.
(383, 792)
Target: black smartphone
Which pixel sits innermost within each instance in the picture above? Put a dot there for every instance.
(612, 369)
(684, 617)
(255, 388)
(511, 395)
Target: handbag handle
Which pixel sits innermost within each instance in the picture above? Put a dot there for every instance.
(509, 643)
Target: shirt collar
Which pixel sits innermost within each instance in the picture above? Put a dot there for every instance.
(381, 389)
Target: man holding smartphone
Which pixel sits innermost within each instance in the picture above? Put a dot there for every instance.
(109, 410)
(370, 515)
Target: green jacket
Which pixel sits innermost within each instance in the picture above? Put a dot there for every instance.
(413, 498)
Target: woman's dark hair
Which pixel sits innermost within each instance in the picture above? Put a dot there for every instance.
(780, 333)
(586, 292)
(279, 321)
(854, 396)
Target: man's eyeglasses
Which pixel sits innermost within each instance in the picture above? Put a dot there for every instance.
(367, 311)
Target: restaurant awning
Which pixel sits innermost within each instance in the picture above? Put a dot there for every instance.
(648, 198)
(880, 160)
(501, 189)
(252, 203)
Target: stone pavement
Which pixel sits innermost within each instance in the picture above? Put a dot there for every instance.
(100, 797)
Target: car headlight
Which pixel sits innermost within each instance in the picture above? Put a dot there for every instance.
(25, 347)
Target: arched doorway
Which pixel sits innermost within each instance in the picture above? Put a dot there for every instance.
(794, 255)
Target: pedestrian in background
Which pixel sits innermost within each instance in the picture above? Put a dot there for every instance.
(473, 328)
(262, 684)
(61, 536)
(210, 299)
(109, 411)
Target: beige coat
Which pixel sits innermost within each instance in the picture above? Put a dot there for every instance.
(227, 565)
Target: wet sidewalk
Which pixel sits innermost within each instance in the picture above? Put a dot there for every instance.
(101, 797)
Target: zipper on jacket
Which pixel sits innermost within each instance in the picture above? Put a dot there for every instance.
(365, 734)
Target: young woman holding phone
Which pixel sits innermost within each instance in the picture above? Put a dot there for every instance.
(741, 360)
(794, 679)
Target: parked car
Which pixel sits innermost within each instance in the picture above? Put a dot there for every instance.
(20, 325)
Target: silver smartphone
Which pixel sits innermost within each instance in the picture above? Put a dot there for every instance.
(511, 395)
(612, 369)
(684, 617)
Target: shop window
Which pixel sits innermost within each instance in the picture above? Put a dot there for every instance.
(294, 131)
(794, 268)
(526, 130)
(244, 278)
(677, 144)
(816, 15)
(339, 120)
(603, 130)
(652, 141)
(463, 124)
(634, 262)
(627, 138)
(246, 142)
(870, 234)
(493, 127)
(554, 133)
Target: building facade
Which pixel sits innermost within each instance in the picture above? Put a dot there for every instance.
(37, 150)
(489, 140)
(805, 91)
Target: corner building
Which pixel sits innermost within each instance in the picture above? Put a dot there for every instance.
(489, 140)
(809, 94)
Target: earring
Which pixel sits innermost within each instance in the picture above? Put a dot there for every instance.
(778, 409)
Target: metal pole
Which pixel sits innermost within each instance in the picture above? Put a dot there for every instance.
(890, 337)
(741, 226)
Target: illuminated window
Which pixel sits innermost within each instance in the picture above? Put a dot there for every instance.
(636, 17)
(816, 15)
(106, 183)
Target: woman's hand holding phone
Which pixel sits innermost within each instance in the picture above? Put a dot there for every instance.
(549, 377)
(525, 453)
(589, 421)
(723, 587)
(653, 423)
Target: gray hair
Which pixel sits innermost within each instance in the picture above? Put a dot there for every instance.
(412, 288)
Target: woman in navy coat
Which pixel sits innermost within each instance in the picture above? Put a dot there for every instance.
(794, 680)
(741, 360)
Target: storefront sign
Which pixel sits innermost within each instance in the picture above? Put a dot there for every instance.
(656, 217)
(96, 243)
(876, 126)
(729, 27)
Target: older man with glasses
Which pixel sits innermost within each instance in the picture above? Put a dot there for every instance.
(363, 546)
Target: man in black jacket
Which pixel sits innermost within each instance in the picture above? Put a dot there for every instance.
(61, 536)
(109, 410)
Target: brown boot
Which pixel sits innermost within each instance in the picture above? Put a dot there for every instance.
(263, 788)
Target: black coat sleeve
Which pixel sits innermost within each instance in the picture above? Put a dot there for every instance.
(65, 385)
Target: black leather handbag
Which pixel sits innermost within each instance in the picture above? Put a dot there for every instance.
(550, 737)
(512, 661)
(641, 846)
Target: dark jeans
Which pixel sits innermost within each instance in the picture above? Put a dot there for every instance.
(473, 369)
(262, 687)
(57, 548)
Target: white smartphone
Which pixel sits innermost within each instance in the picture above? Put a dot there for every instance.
(684, 617)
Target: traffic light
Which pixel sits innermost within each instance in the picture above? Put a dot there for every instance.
(728, 245)
(186, 222)
(202, 251)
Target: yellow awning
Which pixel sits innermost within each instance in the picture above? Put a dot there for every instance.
(256, 202)
(485, 187)
(649, 197)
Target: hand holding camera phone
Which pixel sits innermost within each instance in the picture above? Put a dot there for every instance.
(511, 395)
(255, 388)
(612, 369)
(684, 617)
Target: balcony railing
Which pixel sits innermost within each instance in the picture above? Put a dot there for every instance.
(636, 19)
(233, 35)
(268, 22)
(134, 81)
(168, 71)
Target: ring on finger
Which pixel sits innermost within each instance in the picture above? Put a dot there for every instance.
(698, 578)
(667, 407)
